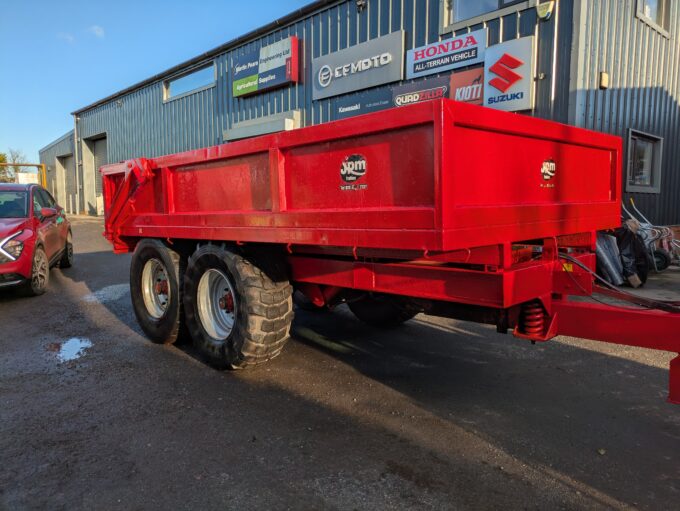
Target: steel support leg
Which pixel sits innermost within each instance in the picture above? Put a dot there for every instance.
(674, 385)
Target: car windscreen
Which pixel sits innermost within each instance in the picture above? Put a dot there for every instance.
(13, 204)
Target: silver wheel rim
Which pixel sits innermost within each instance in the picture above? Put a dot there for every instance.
(216, 304)
(40, 271)
(155, 288)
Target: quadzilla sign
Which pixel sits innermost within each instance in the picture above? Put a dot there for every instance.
(267, 68)
(419, 92)
(509, 72)
(464, 50)
(359, 67)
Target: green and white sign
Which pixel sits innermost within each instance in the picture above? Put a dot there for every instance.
(267, 68)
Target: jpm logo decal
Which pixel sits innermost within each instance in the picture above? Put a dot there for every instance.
(548, 169)
(353, 168)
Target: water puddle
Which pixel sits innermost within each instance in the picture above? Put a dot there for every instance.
(69, 350)
(108, 294)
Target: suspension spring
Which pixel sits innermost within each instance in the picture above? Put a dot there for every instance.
(533, 318)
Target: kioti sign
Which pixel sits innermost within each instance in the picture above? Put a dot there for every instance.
(468, 86)
(365, 65)
(464, 50)
(266, 68)
(509, 71)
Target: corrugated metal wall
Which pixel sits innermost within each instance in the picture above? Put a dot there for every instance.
(142, 124)
(60, 148)
(644, 94)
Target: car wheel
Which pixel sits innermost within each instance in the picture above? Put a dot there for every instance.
(40, 274)
(238, 312)
(156, 274)
(66, 260)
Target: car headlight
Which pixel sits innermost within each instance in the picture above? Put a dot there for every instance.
(12, 248)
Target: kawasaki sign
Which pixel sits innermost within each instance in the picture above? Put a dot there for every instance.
(265, 68)
(365, 65)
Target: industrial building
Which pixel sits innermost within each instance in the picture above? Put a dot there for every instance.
(606, 65)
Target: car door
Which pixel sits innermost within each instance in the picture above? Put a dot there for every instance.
(45, 227)
(60, 220)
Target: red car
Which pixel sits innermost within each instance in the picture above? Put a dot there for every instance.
(34, 236)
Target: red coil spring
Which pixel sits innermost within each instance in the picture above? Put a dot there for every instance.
(533, 318)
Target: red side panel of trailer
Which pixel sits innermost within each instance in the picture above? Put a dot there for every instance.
(438, 176)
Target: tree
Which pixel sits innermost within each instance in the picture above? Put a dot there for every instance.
(3, 170)
(8, 174)
(15, 156)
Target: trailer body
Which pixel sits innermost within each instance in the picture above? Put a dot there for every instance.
(439, 176)
(466, 211)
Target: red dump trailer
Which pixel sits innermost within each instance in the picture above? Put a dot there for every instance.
(443, 208)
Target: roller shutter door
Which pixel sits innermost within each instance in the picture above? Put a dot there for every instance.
(71, 185)
(100, 158)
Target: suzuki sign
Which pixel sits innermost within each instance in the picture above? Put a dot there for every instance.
(365, 65)
(509, 70)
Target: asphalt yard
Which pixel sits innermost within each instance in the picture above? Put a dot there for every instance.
(438, 414)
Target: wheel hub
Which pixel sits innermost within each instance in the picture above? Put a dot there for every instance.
(227, 302)
(155, 288)
(216, 302)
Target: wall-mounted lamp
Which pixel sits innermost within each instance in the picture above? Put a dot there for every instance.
(361, 5)
(604, 80)
(545, 10)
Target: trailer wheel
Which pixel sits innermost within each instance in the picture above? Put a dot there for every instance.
(156, 275)
(662, 259)
(383, 311)
(238, 311)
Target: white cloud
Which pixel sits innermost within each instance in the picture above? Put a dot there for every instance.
(97, 31)
(65, 36)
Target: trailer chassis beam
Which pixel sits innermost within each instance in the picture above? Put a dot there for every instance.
(644, 328)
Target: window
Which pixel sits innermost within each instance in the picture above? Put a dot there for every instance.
(657, 13)
(645, 155)
(38, 202)
(457, 14)
(46, 198)
(13, 204)
(191, 82)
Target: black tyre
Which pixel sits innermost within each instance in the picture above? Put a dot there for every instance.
(383, 311)
(238, 311)
(40, 274)
(66, 260)
(662, 259)
(156, 274)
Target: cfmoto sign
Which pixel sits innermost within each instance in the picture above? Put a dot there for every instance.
(363, 66)
(326, 74)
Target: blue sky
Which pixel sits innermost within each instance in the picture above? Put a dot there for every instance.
(60, 55)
